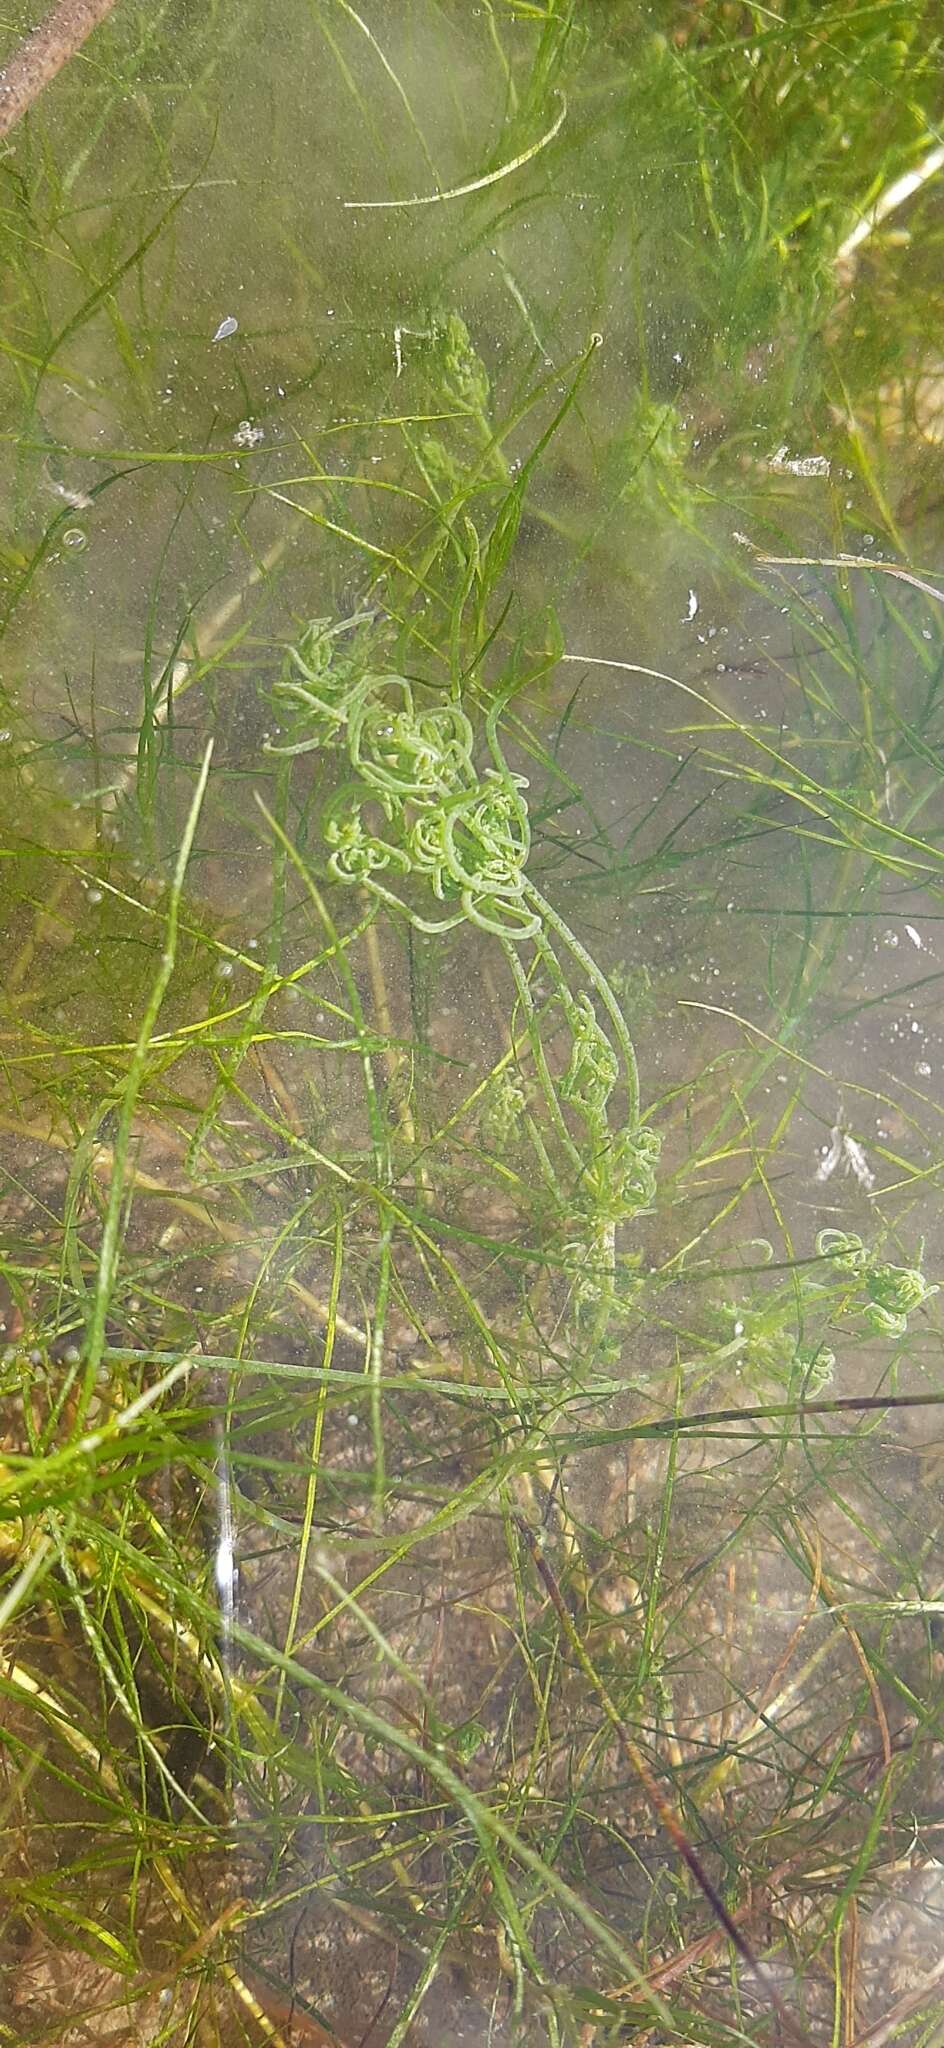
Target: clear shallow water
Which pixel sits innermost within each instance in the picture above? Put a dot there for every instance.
(741, 825)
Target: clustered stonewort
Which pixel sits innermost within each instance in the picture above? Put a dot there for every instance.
(886, 1294)
(443, 841)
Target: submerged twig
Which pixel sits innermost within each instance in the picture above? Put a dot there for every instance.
(842, 561)
(43, 53)
(889, 200)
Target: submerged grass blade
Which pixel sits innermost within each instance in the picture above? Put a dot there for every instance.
(473, 184)
(110, 1246)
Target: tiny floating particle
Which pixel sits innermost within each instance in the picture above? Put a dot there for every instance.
(692, 605)
(226, 327)
(248, 435)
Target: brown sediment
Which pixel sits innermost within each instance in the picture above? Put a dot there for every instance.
(44, 52)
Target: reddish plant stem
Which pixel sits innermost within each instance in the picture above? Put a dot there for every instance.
(44, 52)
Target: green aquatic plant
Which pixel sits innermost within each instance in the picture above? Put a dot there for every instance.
(337, 1239)
(881, 1294)
(417, 806)
(782, 1337)
(418, 824)
(648, 462)
(464, 378)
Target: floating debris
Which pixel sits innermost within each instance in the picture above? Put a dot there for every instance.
(226, 327)
(78, 501)
(845, 1152)
(800, 465)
